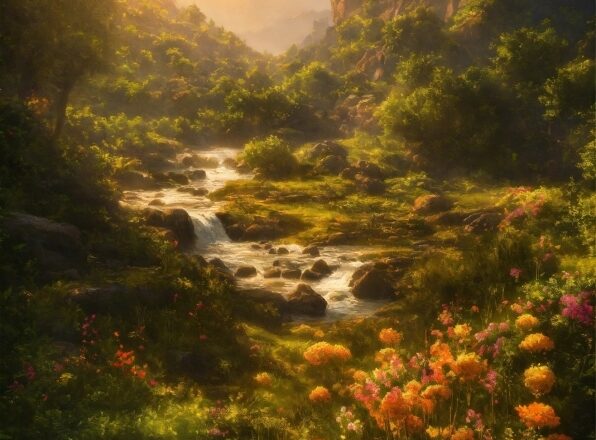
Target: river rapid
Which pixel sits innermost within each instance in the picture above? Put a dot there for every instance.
(213, 242)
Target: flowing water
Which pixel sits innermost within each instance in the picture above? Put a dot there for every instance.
(212, 242)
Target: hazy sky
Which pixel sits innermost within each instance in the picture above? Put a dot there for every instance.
(245, 17)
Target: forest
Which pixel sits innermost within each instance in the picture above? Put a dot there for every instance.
(388, 231)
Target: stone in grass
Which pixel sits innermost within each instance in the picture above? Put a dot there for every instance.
(305, 301)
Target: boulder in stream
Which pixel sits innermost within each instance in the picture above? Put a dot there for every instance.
(313, 251)
(374, 284)
(305, 301)
(321, 266)
(272, 273)
(176, 220)
(246, 272)
(291, 274)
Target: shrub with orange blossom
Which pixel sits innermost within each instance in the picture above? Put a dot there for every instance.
(537, 415)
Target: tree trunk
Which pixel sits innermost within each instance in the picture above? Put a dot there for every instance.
(60, 108)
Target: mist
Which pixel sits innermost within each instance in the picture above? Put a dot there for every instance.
(266, 25)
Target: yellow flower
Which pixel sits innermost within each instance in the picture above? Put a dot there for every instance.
(319, 395)
(389, 336)
(438, 432)
(539, 379)
(462, 331)
(360, 376)
(322, 353)
(385, 355)
(469, 366)
(263, 379)
(526, 322)
(537, 342)
(538, 415)
(437, 391)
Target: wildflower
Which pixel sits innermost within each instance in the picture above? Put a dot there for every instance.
(393, 406)
(538, 415)
(359, 376)
(539, 379)
(389, 336)
(469, 366)
(445, 318)
(463, 434)
(437, 391)
(475, 309)
(536, 343)
(526, 322)
(263, 379)
(490, 381)
(322, 353)
(462, 331)
(438, 432)
(577, 308)
(319, 394)
(515, 273)
(385, 355)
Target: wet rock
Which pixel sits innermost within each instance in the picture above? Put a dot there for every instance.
(272, 251)
(246, 272)
(197, 174)
(178, 178)
(282, 251)
(176, 220)
(483, 222)
(257, 232)
(313, 251)
(432, 204)
(219, 264)
(255, 246)
(56, 247)
(311, 275)
(332, 165)
(327, 148)
(291, 274)
(264, 296)
(321, 266)
(338, 238)
(235, 232)
(349, 173)
(337, 296)
(272, 273)
(374, 284)
(305, 301)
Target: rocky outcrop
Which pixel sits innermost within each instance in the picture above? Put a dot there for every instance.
(342, 9)
(246, 272)
(176, 220)
(327, 148)
(379, 280)
(56, 247)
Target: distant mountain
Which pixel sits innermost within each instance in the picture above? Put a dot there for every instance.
(279, 36)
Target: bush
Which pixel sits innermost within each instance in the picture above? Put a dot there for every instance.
(271, 157)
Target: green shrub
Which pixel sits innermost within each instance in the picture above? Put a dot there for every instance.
(271, 157)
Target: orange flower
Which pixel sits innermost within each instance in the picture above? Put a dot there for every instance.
(538, 415)
(469, 366)
(439, 432)
(263, 379)
(394, 407)
(389, 336)
(526, 322)
(322, 353)
(539, 379)
(359, 376)
(463, 434)
(413, 387)
(320, 395)
(437, 391)
(462, 331)
(441, 352)
(536, 343)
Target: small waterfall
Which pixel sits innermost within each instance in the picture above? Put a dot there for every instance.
(208, 229)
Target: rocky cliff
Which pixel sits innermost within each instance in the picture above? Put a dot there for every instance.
(388, 9)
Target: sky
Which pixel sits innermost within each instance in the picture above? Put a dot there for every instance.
(262, 23)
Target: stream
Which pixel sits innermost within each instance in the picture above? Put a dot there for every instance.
(213, 242)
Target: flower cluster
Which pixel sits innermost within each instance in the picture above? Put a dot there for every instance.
(578, 308)
(323, 353)
(537, 415)
(348, 422)
(526, 322)
(389, 336)
(539, 379)
(320, 394)
(536, 343)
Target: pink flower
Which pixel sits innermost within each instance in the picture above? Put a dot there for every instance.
(515, 273)
(578, 308)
